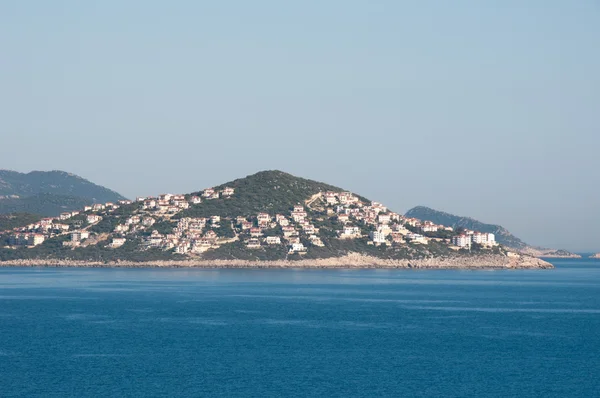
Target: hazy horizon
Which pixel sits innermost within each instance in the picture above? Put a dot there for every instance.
(481, 109)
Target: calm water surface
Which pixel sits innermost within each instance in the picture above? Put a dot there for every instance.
(269, 333)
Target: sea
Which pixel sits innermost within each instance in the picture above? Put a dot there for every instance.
(91, 332)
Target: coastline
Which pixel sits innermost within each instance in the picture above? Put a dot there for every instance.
(350, 261)
(558, 256)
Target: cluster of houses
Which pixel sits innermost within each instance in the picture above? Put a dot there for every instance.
(198, 235)
(352, 218)
(389, 227)
(296, 230)
(385, 227)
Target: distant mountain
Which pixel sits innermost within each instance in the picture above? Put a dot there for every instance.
(439, 217)
(44, 204)
(503, 236)
(49, 193)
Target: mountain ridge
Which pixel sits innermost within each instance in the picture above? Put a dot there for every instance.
(503, 236)
(49, 192)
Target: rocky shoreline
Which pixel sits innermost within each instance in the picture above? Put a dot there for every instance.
(353, 260)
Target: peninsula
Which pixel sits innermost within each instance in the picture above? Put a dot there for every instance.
(269, 219)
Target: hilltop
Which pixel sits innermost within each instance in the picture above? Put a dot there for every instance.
(48, 193)
(268, 218)
(270, 191)
(503, 236)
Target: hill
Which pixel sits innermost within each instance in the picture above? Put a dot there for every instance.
(49, 193)
(270, 191)
(10, 221)
(267, 216)
(503, 236)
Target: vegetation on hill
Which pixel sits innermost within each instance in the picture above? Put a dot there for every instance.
(49, 192)
(10, 221)
(54, 182)
(267, 191)
(45, 204)
(439, 217)
(54, 249)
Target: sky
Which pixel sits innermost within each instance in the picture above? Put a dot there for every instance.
(488, 109)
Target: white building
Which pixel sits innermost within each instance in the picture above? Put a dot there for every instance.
(350, 232)
(483, 238)
(377, 236)
(273, 240)
(118, 242)
(297, 248)
(93, 218)
(77, 236)
(208, 193)
(228, 191)
(36, 239)
(65, 216)
(384, 218)
(416, 238)
(330, 198)
(461, 240)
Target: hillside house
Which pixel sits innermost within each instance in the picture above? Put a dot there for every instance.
(121, 228)
(208, 193)
(228, 191)
(273, 240)
(77, 236)
(297, 248)
(65, 216)
(253, 244)
(315, 240)
(330, 198)
(461, 240)
(343, 218)
(416, 238)
(378, 237)
(282, 220)
(350, 232)
(211, 235)
(148, 221)
(118, 242)
(384, 218)
(93, 218)
(289, 231)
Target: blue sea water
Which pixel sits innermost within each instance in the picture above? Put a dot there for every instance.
(271, 333)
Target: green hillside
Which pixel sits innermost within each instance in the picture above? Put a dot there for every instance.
(270, 191)
(49, 193)
(503, 236)
(10, 221)
(44, 204)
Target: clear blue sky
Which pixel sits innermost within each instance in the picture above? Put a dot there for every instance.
(483, 108)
